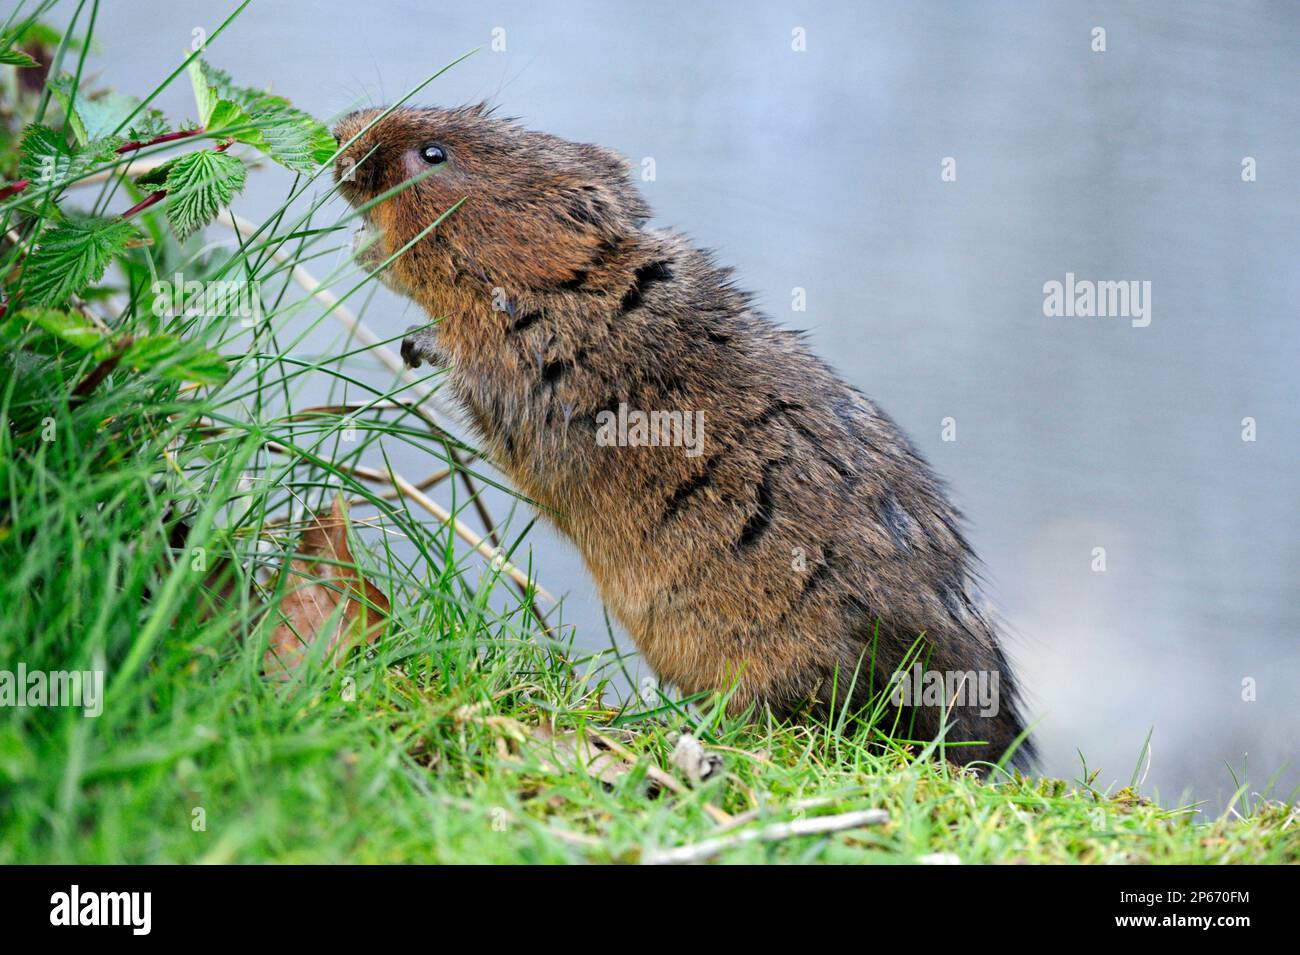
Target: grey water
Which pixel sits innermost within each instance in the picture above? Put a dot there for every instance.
(920, 171)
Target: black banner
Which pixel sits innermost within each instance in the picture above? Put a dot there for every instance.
(334, 904)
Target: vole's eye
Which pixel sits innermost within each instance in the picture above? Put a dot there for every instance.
(433, 154)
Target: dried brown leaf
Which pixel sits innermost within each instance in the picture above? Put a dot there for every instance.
(321, 578)
(570, 751)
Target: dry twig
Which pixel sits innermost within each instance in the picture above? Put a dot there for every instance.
(818, 825)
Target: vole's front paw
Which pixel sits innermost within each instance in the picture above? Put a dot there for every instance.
(420, 346)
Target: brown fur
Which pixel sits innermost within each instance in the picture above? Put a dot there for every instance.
(554, 302)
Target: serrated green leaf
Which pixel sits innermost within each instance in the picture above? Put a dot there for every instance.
(199, 185)
(73, 328)
(202, 367)
(205, 96)
(96, 116)
(293, 139)
(91, 118)
(71, 256)
(268, 122)
(99, 151)
(149, 351)
(289, 136)
(101, 115)
(44, 156)
(147, 124)
(211, 85)
(38, 33)
(48, 160)
(175, 359)
(13, 57)
(228, 117)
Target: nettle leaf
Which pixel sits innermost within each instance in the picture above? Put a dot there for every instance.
(293, 139)
(97, 152)
(178, 360)
(212, 85)
(72, 255)
(72, 327)
(102, 115)
(168, 356)
(44, 156)
(199, 185)
(13, 57)
(230, 119)
(48, 160)
(147, 124)
(90, 119)
(97, 116)
(202, 367)
(262, 120)
(37, 33)
(205, 94)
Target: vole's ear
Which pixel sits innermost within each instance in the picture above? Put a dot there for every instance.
(603, 198)
(588, 207)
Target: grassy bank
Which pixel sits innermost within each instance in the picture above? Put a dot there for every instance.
(429, 756)
(159, 469)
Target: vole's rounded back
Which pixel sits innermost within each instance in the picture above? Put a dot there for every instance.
(771, 526)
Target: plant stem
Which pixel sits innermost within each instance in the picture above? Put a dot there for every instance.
(152, 199)
(157, 140)
(14, 188)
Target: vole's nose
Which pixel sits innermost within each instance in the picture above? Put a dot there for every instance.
(347, 168)
(353, 123)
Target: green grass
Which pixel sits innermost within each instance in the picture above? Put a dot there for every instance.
(422, 750)
(424, 764)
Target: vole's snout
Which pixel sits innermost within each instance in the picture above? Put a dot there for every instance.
(358, 174)
(357, 169)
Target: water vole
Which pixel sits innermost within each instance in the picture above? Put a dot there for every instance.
(794, 537)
